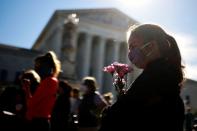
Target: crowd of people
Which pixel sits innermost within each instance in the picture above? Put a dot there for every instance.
(44, 102)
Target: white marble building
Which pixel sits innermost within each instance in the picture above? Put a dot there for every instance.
(97, 40)
(14, 60)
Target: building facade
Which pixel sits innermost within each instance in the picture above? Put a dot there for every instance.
(13, 61)
(188, 94)
(85, 47)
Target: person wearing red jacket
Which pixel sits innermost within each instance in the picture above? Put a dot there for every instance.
(40, 104)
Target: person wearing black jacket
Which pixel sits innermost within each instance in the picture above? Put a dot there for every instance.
(153, 101)
(61, 111)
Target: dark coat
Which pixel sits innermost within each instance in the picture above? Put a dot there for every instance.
(87, 111)
(61, 114)
(152, 103)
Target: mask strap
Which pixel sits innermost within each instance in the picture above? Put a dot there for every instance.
(169, 44)
(145, 45)
(149, 53)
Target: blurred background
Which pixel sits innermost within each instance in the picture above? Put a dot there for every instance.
(90, 34)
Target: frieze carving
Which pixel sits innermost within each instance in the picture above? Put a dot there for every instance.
(108, 18)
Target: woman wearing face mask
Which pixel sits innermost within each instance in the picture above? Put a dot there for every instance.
(152, 102)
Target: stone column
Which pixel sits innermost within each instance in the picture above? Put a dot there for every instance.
(58, 39)
(110, 56)
(123, 51)
(100, 59)
(115, 57)
(116, 46)
(87, 55)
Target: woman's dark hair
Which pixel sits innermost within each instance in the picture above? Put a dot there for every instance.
(167, 45)
(49, 61)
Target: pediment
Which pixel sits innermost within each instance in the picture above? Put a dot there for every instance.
(110, 17)
(107, 17)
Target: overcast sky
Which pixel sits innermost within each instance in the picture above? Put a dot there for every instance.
(21, 21)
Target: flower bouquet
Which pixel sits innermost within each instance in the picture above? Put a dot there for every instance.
(119, 75)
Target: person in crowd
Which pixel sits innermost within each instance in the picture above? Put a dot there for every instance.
(189, 118)
(40, 104)
(10, 119)
(30, 80)
(61, 111)
(13, 101)
(153, 101)
(91, 106)
(10, 98)
(75, 102)
(108, 97)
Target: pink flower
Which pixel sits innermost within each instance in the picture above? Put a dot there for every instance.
(121, 69)
(118, 71)
(109, 69)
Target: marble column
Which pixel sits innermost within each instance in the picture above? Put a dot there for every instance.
(116, 46)
(58, 38)
(123, 52)
(111, 55)
(81, 42)
(87, 54)
(115, 57)
(100, 59)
